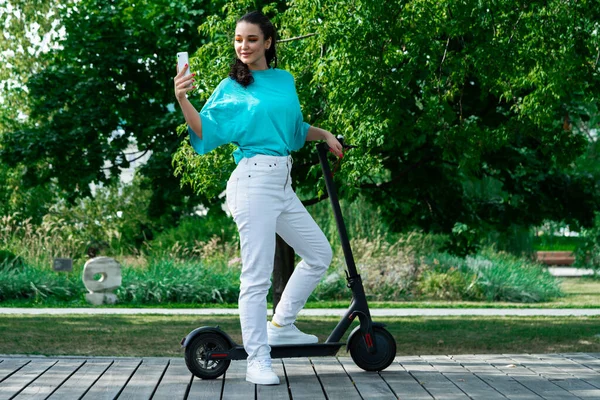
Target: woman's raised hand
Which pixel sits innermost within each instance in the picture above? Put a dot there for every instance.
(183, 84)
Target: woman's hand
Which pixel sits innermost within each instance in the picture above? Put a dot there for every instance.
(183, 84)
(334, 145)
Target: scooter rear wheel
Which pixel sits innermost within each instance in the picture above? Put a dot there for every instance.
(196, 353)
(383, 357)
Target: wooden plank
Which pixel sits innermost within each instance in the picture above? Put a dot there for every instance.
(18, 381)
(466, 381)
(235, 386)
(476, 365)
(145, 380)
(112, 380)
(11, 366)
(302, 380)
(174, 384)
(274, 392)
(508, 387)
(585, 360)
(542, 387)
(334, 379)
(403, 384)
(78, 383)
(205, 389)
(369, 384)
(53, 378)
(439, 386)
(561, 372)
(473, 386)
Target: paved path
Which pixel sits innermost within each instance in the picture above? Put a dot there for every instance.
(489, 377)
(570, 272)
(338, 312)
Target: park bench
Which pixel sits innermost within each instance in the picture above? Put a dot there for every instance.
(555, 257)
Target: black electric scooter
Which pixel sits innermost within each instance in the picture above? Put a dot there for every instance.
(209, 350)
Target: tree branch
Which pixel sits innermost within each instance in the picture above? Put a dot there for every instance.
(296, 38)
(316, 200)
(515, 27)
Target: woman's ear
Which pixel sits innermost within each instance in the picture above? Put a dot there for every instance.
(268, 44)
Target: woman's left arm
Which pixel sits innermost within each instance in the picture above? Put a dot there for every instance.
(315, 133)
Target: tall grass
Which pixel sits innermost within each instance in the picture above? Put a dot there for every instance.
(172, 281)
(494, 276)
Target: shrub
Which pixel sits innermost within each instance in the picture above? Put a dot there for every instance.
(170, 280)
(501, 276)
(449, 285)
(8, 260)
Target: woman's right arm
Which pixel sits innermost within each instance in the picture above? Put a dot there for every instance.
(183, 84)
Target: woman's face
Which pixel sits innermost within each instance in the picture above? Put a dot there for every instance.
(250, 45)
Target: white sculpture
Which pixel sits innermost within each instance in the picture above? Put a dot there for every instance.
(100, 290)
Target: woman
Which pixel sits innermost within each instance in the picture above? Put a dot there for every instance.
(257, 109)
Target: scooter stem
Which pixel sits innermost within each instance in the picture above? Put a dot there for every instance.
(323, 150)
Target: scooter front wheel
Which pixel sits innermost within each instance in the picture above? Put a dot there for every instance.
(384, 355)
(196, 355)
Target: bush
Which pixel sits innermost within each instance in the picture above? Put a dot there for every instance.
(449, 285)
(587, 254)
(172, 281)
(8, 260)
(196, 238)
(30, 283)
(501, 276)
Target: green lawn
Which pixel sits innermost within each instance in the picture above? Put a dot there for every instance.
(152, 335)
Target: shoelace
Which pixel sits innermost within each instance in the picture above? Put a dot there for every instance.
(264, 365)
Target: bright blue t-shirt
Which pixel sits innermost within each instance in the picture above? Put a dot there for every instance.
(263, 118)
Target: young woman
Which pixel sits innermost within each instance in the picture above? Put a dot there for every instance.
(257, 109)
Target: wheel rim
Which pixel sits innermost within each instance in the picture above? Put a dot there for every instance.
(386, 351)
(202, 356)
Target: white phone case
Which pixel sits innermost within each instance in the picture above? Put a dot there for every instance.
(182, 59)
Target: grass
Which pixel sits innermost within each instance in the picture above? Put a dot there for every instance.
(579, 293)
(153, 336)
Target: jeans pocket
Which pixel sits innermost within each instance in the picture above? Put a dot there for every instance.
(231, 194)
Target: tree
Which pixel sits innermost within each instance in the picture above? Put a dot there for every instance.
(458, 108)
(109, 84)
(29, 29)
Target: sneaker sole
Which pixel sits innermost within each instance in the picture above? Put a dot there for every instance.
(256, 382)
(284, 342)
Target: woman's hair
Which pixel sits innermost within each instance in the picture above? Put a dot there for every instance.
(240, 71)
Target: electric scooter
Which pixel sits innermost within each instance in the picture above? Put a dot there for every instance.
(209, 350)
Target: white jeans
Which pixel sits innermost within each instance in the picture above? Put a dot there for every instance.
(262, 202)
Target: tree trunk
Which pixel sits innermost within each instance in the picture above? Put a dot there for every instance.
(282, 269)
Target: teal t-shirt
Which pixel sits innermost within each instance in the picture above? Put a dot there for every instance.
(263, 118)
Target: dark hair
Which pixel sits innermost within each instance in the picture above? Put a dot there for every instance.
(240, 71)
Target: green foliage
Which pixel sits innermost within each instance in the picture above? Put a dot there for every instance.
(40, 284)
(587, 254)
(500, 276)
(168, 281)
(107, 85)
(8, 260)
(449, 285)
(439, 96)
(463, 241)
(114, 220)
(214, 235)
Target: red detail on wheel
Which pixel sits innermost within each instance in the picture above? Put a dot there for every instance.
(369, 340)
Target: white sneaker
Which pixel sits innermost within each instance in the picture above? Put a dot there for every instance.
(261, 373)
(288, 334)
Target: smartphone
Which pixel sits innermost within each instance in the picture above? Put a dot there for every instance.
(182, 59)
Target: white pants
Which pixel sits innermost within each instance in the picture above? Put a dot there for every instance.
(262, 202)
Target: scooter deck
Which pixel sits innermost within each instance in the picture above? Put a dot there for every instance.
(282, 351)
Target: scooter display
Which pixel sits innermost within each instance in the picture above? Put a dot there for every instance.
(209, 350)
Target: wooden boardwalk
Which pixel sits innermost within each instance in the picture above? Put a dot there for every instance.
(489, 377)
